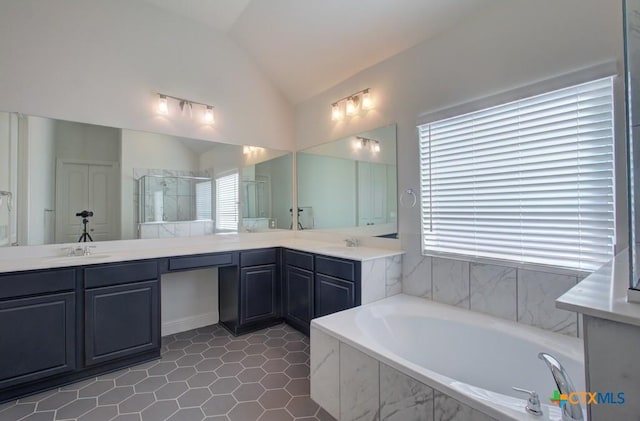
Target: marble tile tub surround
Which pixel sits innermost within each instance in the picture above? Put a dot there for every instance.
(381, 278)
(350, 385)
(521, 295)
(204, 374)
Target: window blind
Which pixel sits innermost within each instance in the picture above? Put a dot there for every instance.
(530, 181)
(227, 202)
(203, 200)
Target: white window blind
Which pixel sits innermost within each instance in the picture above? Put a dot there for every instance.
(227, 202)
(203, 200)
(530, 181)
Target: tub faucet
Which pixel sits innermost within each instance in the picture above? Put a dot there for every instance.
(570, 411)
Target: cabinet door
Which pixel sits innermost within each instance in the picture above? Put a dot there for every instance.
(332, 295)
(38, 337)
(259, 293)
(297, 297)
(121, 320)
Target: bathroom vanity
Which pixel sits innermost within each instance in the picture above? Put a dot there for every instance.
(67, 318)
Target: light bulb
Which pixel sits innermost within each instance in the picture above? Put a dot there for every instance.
(358, 144)
(163, 107)
(367, 103)
(351, 106)
(335, 112)
(376, 147)
(208, 114)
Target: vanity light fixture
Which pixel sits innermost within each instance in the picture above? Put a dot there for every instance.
(208, 114)
(335, 112)
(351, 104)
(163, 107)
(185, 105)
(365, 142)
(367, 102)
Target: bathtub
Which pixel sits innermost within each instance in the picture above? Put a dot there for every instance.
(467, 356)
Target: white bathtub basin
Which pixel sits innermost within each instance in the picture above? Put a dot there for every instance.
(474, 358)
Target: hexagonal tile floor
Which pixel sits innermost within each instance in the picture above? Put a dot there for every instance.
(204, 374)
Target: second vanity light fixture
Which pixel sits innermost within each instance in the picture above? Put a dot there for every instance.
(186, 105)
(350, 105)
(365, 142)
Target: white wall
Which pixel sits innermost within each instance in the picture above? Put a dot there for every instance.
(102, 62)
(189, 300)
(509, 46)
(41, 167)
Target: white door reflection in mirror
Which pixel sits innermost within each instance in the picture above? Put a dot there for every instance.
(83, 186)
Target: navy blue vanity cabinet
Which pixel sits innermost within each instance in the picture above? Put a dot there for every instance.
(249, 293)
(316, 285)
(337, 285)
(298, 289)
(122, 311)
(37, 326)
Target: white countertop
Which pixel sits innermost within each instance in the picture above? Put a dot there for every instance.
(603, 294)
(53, 256)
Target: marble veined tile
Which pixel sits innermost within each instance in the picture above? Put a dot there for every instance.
(393, 275)
(448, 409)
(450, 281)
(416, 274)
(325, 371)
(166, 230)
(183, 229)
(373, 280)
(403, 398)
(359, 385)
(493, 290)
(537, 293)
(148, 230)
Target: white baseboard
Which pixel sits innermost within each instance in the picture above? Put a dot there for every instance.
(188, 323)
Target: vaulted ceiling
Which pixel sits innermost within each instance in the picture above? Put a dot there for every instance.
(308, 46)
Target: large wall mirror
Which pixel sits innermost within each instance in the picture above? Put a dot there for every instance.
(64, 182)
(350, 185)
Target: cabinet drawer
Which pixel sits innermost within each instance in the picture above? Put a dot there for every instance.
(337, 268)
(201, 261)
(300, 259)
(121, 273)
(31, 283)
(258, 257)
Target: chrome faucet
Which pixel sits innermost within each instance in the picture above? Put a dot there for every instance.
(533, 403)
(570, 411)
(351, 242)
